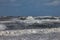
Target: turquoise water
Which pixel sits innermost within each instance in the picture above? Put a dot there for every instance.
(29, 8)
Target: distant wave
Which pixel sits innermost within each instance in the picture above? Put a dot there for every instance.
(29, 22)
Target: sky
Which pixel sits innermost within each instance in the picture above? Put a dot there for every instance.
(29, 7)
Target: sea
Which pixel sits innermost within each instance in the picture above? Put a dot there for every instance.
(29, 8)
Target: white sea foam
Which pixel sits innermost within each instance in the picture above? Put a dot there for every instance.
(2, 27)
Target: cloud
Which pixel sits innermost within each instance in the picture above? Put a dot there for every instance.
(53, 3)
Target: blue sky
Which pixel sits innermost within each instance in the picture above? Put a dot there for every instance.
(29, 7)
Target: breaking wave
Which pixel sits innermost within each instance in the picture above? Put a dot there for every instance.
(29, 22)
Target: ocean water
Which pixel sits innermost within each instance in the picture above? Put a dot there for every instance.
(29, 8)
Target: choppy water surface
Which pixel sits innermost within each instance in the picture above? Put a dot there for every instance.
(50, 36)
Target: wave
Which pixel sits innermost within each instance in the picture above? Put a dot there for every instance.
(29, 22)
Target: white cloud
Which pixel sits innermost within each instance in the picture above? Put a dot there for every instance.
(53, 3)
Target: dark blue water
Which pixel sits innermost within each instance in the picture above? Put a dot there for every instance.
(29, 8)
